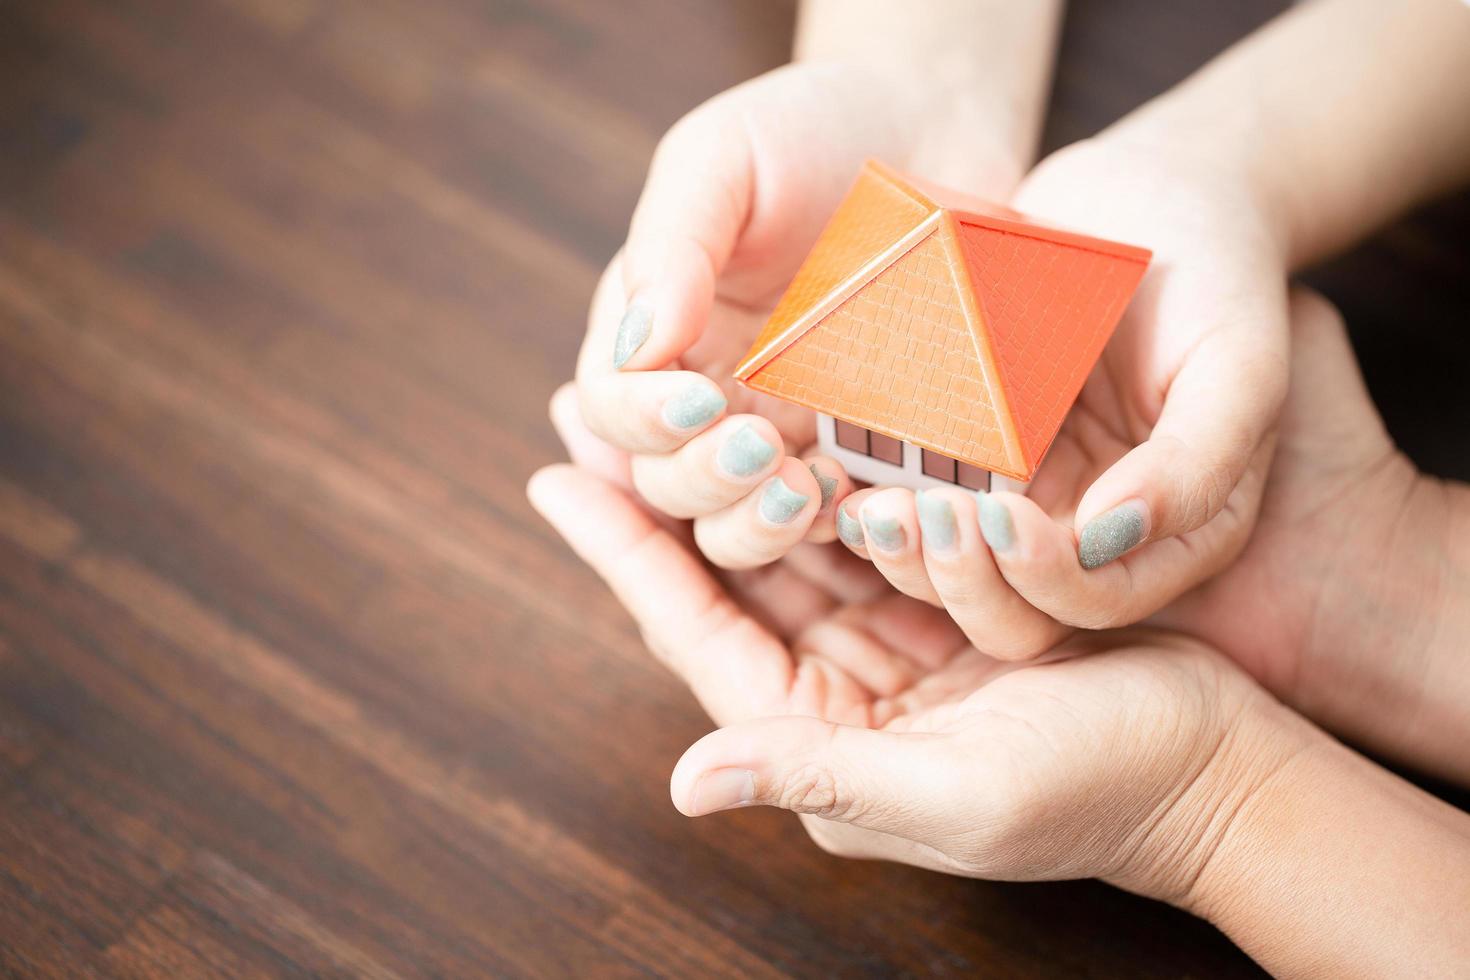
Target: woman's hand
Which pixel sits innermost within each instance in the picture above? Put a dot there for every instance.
(1154, 481)
(869, 713)
(737, 193)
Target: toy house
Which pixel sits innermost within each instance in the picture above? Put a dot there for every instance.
(941, 339)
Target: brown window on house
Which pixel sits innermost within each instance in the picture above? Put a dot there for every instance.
(874, 444)
(853, 437)
(941, 467)
(938, 466)
(886, 448)
(972, 477)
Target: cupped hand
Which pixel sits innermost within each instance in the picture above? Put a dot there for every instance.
(867, 712)
(1351, 600)
(1153, 483)
(737, 193)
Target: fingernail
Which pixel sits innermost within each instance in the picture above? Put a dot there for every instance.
(885, 532)
(632, 332)
(780, 504)
(848, 529)
(1111, 533)
(745, 452)
(936, 522)
(995, 522)
(722, 789)
(694, 406)
(827, 484)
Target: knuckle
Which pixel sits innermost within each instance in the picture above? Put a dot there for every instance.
(814, 790)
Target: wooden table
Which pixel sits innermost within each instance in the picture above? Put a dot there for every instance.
(291, 678)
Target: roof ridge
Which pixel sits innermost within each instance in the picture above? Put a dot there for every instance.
(897, 180)
(839, 294)
(1049, 233)
(990, 367)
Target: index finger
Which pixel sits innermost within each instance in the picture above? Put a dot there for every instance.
(735, 667)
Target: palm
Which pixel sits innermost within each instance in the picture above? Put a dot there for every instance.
(839, 644)
(1086, 742)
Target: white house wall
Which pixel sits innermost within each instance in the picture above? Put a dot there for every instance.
(881, 474)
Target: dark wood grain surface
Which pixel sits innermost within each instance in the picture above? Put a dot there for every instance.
(291, 678)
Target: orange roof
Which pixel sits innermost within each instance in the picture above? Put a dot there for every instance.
(958, 325)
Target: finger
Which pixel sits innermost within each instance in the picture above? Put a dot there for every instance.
(1038, 558)
(650, 411)
(587, 450)
(835, 486)
(891, 534)
(1220, 406)
(837, 571)
(900, 784)
(994, 617)
(690, 215)
(735, 667)
(784, 601)
(713, 470)
(870, 662)
(849, 523)
(763, 525)
(923, 633)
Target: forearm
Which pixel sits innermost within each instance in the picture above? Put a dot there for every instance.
(1388, 664)
(982, 68)
(1340, 115)
(1435, 548)
(1333, 867)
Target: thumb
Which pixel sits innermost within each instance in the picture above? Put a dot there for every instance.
(1221, 406)
(687, 222)
(886, 781)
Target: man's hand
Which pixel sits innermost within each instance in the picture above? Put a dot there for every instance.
(1351, 601)
(1140, 757)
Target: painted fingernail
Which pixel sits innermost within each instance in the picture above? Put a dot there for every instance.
(745, 452)
(1111, 533)
(632, 332)
(885, 532)
(694, 406)
(995, 522)
(723, 789)
(827, 484)
(780, 504)
(848, 529)
(936, 522)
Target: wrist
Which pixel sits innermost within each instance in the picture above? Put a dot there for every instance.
(1388, 638)
(1178, 856)
(972, 112)
(1335, 867)
(967, 128)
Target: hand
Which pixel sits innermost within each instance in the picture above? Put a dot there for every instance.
(736, 195)
(1161, 462)
(731, 634)
(1150, 761)
(1352, 599)
(868, 713)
